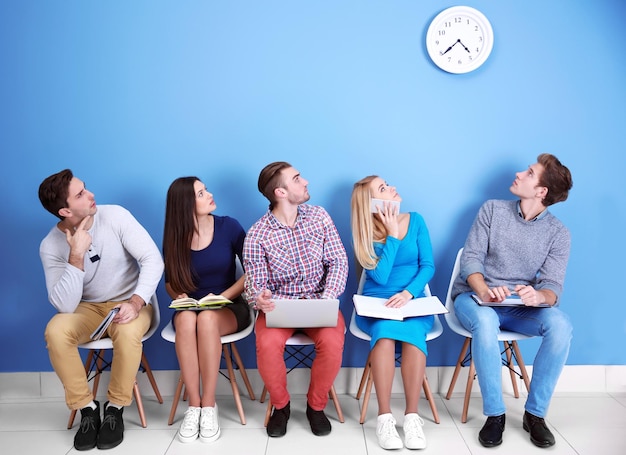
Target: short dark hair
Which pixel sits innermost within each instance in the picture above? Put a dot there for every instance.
(556, 177)
(54, 191)
(270, 178)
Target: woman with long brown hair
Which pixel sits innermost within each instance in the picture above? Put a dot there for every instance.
(200, 251)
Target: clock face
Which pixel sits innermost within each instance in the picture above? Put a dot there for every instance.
(459, 39)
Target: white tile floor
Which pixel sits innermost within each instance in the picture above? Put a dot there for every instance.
(582, 424)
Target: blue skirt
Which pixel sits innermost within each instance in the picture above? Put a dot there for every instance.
(411, 330)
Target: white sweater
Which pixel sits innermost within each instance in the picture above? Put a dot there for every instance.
(130, 262)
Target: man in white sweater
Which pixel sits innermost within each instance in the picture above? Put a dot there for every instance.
(96, 259)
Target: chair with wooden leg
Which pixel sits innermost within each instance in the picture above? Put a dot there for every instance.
(96, 363)
(510, 350)
(231, 356)
(297, 347)
(367, 380)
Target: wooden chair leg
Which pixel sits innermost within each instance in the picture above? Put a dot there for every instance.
(140, 410)
(333, 396)
(179, 389)
(263, 395)
(522, 366)
(431, 399)
(146, 367)
(233, 384)
(366, 397)
(511, 367)
(268, 411)
(468, 391)
(459, 365)
(242, 370)
(96, 379)
(364, 376)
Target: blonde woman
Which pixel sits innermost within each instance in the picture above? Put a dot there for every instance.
(395, 252)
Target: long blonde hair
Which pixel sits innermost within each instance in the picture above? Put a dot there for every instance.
(366, 228)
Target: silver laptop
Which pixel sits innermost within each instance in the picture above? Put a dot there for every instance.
(302, 313)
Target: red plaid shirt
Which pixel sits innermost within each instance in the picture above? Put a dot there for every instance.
(306, 261)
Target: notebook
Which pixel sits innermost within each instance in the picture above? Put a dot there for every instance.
(302, 313)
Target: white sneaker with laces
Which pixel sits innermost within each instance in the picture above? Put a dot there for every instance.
(388, 437)
(209, 424)
(413, 432)
(190, 427)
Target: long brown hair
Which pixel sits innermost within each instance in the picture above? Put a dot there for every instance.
(180, 224)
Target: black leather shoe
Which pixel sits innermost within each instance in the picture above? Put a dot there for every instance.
(320, 425)
(491, 433)
(112, 429)
(277, 425)
(540, 435)
(87, 434)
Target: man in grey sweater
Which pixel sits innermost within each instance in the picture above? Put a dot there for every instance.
(96, 259)
(518, 247)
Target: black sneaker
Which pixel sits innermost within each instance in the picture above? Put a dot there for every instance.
(87, 434)
(277, 425)
(112, 429)
(320, 425)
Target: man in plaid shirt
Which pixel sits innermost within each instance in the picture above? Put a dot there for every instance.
(294, 251)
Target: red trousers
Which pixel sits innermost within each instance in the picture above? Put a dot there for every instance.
(270, 347)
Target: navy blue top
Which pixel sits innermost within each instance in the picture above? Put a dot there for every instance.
(214, 267)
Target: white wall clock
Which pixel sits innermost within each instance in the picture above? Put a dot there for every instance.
(459, 39)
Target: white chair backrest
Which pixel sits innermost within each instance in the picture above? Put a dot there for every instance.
(156, 317)
(450, 316)
(239, 272)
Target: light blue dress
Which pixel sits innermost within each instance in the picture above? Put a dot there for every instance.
(405, 264)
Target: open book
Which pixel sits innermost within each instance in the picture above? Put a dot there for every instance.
(208, 302)
(104, 325)
(374, 307)
(512, 300)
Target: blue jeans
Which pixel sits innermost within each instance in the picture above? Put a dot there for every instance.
(485, 324)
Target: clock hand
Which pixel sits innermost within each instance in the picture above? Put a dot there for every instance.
(464, 47)
(450, 48)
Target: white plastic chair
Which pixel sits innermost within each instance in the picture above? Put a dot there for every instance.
(508, 338)
(367, 379)
(296, 348)
(99, 364)
(229, 354)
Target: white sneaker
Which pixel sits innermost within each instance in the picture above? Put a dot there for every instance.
(209, 424)
(413, 432)
(189, 429)
(388, 437)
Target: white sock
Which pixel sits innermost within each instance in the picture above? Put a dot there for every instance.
(91, 405)
(116, 406)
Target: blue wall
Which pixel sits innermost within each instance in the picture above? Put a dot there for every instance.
(131, 95)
